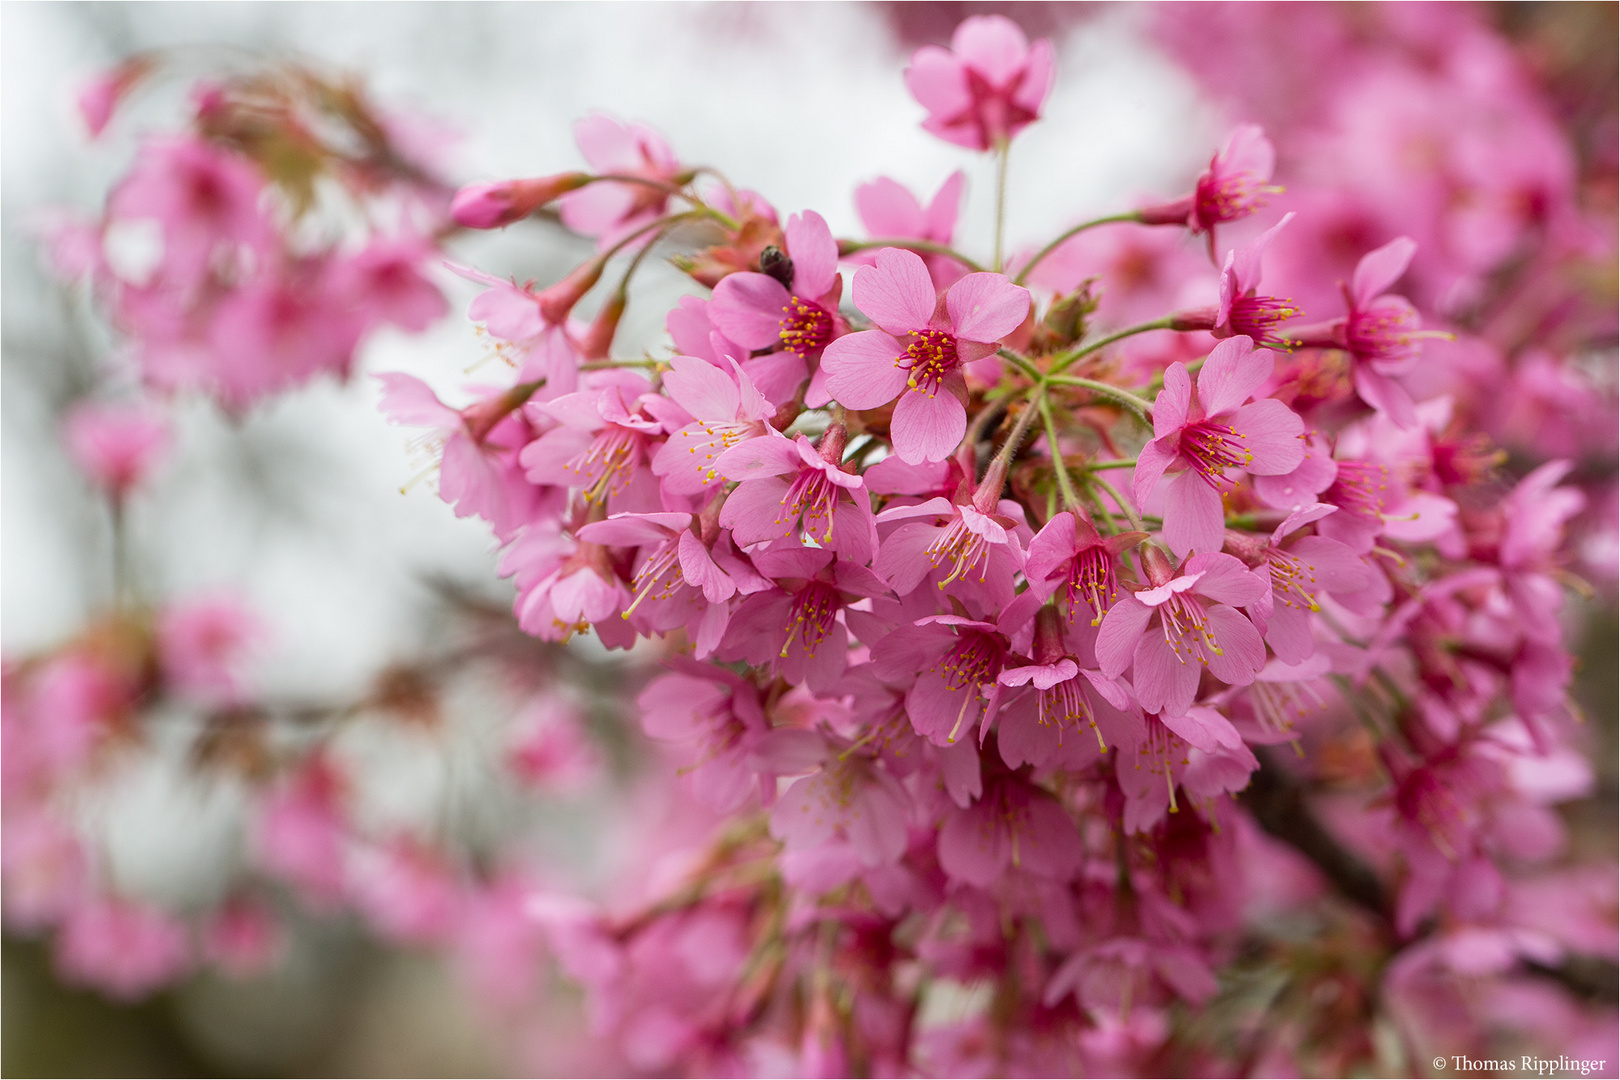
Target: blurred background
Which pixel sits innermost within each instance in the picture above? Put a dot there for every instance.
(297, 506)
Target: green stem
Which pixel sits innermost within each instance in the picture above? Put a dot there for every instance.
(1158, 380)
(1113, 463)
(1020, 363)
(603, 365)
(1002, 153)
(1065, 360)
(1126, 508)
(1060, 468)
(120, 554)
(1142, 410)
(849, 247)
(1041, 255)
(1020, 429)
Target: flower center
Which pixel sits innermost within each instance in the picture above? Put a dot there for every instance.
(1383, 332)
(1258, 316)
(1186, 630)
(805, 327)
(658, 577)
(1293, 580)
(1212, 448)
(812, 614)
(929, 357)
(606, 465)
(812, 495)
(974, 660)
(1065, 705)
(1161, 743)
(1358, 489)
(963, 549)
(1229, 198)
(1091, 582)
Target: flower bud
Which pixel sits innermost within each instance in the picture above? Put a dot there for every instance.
(493, 206)
(557, 301)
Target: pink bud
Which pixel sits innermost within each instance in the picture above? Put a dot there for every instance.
(493, 206)
(557, 301)
(115, 445)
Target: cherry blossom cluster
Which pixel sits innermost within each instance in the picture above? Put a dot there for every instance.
(975, 710)
(1142, 650)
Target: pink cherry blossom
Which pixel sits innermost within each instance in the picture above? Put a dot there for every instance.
(727, 410)
(1014, 825)
(1299, 571)
(1182, 624)
(1069, 554)
(124, 948)
(612, 210)
(889, 210)
(828, 503)
(202, 644)
(1069, 693)
(1233, 187)
(919, 347)
(1200, 435)
(115, 445)
(987, 87)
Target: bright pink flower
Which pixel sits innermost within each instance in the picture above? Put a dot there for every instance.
(829, 503)
(121, 947)
(794, 626)
(1373, 483)
(919, 348)
(604, 439)
(987, 88)
(610, 210)
(1241, 311)
(1201, 435)
(564, 588)
(716, 719)
(243, 938)
(795, 307)
(888, 209)
(115, 445)
(973, 542)
(1233, 187)
(1197, 627)
(533, 325)
(1069, 554)
(204, 198)
(1307, 567)
(1016, 825)
(477, 449)
(726, 409)
(1382, 332)
(851, 799)
(201, 644)
(1534, 516)
(1069, 693)
(1165, 757)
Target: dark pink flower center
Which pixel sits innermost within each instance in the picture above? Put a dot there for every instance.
(962, 548)
(1384, 332)
(1358, 489)
(1211, 448)
(805, 327)
(1186, 629)
(1065, 705)
(1229, 197)
(813, 496)
(975, 660)
(1258, 316)
(811, 615)
(1091, 580)
(930, 356)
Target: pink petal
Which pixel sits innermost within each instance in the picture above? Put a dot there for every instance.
(940, 217)
(1379, 270)
(605, 143)
(814, 252)
(633, 530)
(1121, 628)
(777, 377)
(699, 569)
(973, 846)
(1155, 458)
(937, 80)
(993, 45)
(767, 455)
(1194, 519)
(1242, 652)
(927, 427)
(986, 307)
(753, 511)
(1247, 264)
(861, 369)
(1271, 432)
(1174, 402)
(896, 294)
(1234, 371)
(1225, 580)
(1386, 395)
(888, 209)
(1165, 682)
(748, 307)
(702, 389)
(408, 400)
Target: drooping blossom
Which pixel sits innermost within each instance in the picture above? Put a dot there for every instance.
(890, 210)
(1150, 772)
(1241, 311)
(1234, 186)
(987, 87)
(1182, 624)
(919, 348)
(1198, 435)
(612, 210)
(829, 503)
(115, 445)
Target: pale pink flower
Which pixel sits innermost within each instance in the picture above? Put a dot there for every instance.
(45, 868)
(1013, 825)
(301, 835)
(794, 307)
(1299, 571)
(919, 348)
(987, 87)
(727, 410)
(124, 948)
(384, 283)
(1201, 435)
(548, 751)
(889, 210)
(201, 644)
(972, 540)
(1233, 187)
(604, 438)
(610, 210)
(498, 943)
(828, 502)
(243, 938)
(852, 800)
(1180, 625)
(1165, 757)
(100, 97)
(115, 445)
(1069, 694)
(407, 891)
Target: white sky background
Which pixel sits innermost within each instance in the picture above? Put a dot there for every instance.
(799, 101)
